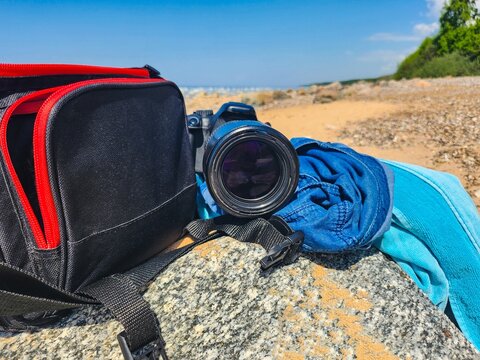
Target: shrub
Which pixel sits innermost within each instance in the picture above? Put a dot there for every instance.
(453, 64)
(262, 98)
(425, 53)
(280, 95)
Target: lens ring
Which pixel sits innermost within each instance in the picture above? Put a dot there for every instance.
(226, 139)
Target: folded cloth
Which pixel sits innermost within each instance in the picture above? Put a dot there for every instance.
(435, 238)
(343, 200)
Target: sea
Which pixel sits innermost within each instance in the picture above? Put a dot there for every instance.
(190, 91)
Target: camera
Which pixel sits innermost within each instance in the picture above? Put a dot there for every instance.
(251, 169)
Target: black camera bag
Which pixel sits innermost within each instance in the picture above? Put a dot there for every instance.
(96, 181)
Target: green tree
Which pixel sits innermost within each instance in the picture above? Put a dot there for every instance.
(459, 29)
(454, 51)
(457, 13)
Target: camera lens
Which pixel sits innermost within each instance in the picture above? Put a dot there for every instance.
(251, 169)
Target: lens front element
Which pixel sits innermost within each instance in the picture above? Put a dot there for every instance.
(250, 169)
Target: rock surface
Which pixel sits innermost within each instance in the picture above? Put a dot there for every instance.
(215, 304)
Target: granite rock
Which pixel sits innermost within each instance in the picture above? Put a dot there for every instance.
(214, 303)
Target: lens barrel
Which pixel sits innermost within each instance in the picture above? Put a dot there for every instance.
(250, 168)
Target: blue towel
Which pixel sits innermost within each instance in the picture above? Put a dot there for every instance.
(435, 238)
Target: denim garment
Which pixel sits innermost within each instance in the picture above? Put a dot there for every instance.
(435, 238)
(343, 200)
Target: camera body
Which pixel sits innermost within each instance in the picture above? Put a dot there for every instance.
(202, 123)
(250, 168)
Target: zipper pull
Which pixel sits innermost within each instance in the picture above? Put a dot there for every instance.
(154, 73)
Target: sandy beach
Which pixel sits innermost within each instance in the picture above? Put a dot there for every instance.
(434, 123)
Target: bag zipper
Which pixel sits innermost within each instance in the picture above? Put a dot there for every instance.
(14, 109)
(42, 179)
(26, 70)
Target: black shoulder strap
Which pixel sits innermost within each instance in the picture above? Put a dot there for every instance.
(21, 292)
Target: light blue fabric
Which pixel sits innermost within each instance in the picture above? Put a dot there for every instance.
(207, 207)
(435, 238)
(416, 259)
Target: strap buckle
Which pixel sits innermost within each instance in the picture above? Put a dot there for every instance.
(285, 253)
(152, 351)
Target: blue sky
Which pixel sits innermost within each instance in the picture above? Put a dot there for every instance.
(234, 43)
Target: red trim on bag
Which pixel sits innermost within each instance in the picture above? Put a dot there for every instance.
(43, 101)
(30, 107)
(23, 70)
(18, 108)
(44, 191)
